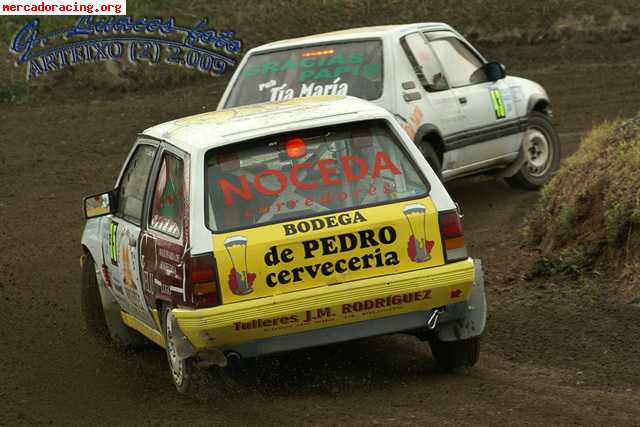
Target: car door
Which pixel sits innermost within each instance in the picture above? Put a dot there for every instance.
(488, 115)
(122, 232)
(164, 241)
(426, 96)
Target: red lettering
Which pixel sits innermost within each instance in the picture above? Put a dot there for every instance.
(326, 171)
(348, 172)
(228, 188)
(296, 181)
(282, 179)
(383, 162)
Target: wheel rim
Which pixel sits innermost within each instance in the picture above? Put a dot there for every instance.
(538, 153)
(175, 363)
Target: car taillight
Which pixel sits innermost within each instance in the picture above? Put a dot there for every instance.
(204, 280)
(455, 248)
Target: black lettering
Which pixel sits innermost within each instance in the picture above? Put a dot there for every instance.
(283, 276)
(387, 235)
(327, 269)
(358, 217)
(366, 239)
(296, 273)
(354, 264)
(378, 256)
(289, 229)
(271, 280)
(341, 266)
(328, 245)
(331, 221)
(365, 260)
(303, 227)
(312, 270)
(287, 255)
(391, 258)
(271, 257)
(310, 246)
(344, 219)
(317, 224)
(348, 242)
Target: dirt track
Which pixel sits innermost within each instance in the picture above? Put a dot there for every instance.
(550, 355)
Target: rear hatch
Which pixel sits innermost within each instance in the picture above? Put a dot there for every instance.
(340, 68)
(310, 209)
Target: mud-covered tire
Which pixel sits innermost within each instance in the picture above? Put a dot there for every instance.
(541, 151)
(101, 311)
(431, 157)
(90, 300)
(180, 370)
(455, 355)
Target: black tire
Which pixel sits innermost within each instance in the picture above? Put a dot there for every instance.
(455, 355)
(181, 371)
(102, 313)
(432, 157)
(526, 178)
(90, 300)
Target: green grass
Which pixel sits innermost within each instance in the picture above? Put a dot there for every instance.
(588, 217)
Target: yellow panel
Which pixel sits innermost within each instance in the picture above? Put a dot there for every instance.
(317, 308)
(272, 260)
(145, 330)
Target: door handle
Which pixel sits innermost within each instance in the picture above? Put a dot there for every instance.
(462, 100)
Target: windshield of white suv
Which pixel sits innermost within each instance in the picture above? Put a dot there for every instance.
(351, 68)
(318, 171)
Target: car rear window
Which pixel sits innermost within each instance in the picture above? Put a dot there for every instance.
(318, 171)
(348, 68)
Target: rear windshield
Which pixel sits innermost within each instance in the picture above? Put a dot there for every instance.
(353, 68)
(295, 175)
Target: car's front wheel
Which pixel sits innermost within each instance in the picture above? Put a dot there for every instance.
(101, 311)
(542, 154)
(454, 355)
(180, 368)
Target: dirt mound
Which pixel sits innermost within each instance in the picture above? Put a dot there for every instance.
(588, 218)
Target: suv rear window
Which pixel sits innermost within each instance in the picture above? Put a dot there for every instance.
(351, 68)
(318, 171)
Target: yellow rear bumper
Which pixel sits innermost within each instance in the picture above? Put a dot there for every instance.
(327, 306)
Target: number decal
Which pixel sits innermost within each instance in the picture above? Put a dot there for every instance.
(113, 242)
(498, 104)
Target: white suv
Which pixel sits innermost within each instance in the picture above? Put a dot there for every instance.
(463, 112)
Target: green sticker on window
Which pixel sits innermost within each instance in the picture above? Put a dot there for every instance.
(498, 104)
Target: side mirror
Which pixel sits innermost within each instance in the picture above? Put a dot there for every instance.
(495, 71)
(99, 205)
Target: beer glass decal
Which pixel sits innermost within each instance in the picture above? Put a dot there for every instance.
(418, 247)
(240, 280)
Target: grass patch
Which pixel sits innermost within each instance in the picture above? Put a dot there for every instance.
(588, 217)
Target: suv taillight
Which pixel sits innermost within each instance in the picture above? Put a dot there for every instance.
(204, 280)
(452, 236)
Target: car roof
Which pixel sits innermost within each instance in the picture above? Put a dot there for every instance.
(353, 33)
(216, 128)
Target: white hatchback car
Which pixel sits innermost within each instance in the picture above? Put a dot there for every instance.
(463, 112)
(275, 227)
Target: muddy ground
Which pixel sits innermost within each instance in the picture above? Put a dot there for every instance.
(553, 352)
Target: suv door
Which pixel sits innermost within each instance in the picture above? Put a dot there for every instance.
(164, 239)
(487, 107)
(121, 232)
(426, 94)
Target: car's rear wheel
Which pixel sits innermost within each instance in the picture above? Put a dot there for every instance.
(455, 355)
(101, 311)
(542, 154)
(181, 369)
